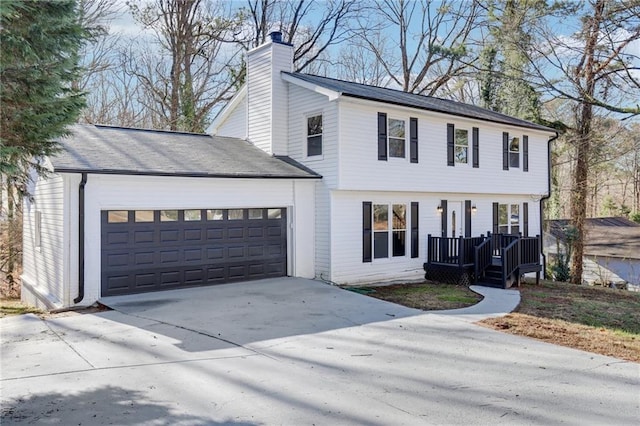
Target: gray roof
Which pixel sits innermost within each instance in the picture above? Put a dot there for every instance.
(117, 150)
(605, 236)
(429, 103)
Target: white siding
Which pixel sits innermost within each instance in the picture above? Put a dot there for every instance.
(235, 124)
(267, 96)
(105, 192)
(360, 168)
(44, 272)
(302, 104)
(346, 229)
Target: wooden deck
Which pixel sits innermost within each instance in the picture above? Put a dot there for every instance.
(495, 260)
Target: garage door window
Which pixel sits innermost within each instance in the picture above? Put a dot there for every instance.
(168, 215)
(255, 213)
(191, 215)
(118, 216)
(144, 216)
(236, 214)
(215, 215)
(275, 213)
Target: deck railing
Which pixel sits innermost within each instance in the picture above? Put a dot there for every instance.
(452, 251)
(483, 256)
(510, 260)
(529, 250)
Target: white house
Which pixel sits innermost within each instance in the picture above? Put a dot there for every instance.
(302, 175)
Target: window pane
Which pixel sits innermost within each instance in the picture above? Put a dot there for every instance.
(144, 215)
(396, 148)
(236, 214)
(503, 229)
(514, 159)
(118, 216)
(399, 216)
(380, 217)
(462, 137)
(515, 214)
(515, 229)
(399, 243)
(514, 145)
(190, 215)
(396, 128)
(314, 125)
(503, 215)
(461, 154)
(255, 213)
(214, 215)
(314, 145)
(380, 245)
(274, 213)
(168, 215)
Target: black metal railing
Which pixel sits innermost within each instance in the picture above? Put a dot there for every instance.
(482, 257)
(529, 250)
(452, 251)
(510, 260)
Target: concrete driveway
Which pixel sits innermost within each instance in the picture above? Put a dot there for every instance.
(292, 351)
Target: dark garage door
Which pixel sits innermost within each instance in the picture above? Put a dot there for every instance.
(151, 250)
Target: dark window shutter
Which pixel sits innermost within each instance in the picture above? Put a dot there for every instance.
(495, 218)
(525, 219)
(476, 146)
(467, 218)
(443, 217)
(382, 136)
(366, 231)
(450, 145)
(505, 151)
(413, 139)
(414, 230)
(525, 153)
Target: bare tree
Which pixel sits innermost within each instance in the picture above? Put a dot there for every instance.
(432, 41)
(592, 69)
(189, 70)
(312, 27)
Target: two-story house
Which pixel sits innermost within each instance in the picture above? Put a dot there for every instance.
(300, 175)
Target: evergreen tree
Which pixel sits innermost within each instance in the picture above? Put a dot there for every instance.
(39, 43)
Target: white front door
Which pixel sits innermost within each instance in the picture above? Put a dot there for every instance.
(455, 221)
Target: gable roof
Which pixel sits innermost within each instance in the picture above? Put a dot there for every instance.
(429, 103)
(118, 150)
(605, 236)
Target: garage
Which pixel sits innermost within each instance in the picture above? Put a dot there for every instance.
(152, 250)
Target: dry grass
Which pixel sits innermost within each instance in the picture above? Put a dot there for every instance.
(594, 319)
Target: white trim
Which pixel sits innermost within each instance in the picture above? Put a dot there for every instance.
(227, 110)
(331, 94)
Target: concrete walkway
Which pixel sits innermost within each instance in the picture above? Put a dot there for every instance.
(300, 352)
(496, 302)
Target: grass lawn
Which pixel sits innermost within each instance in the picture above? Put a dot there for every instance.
(11, 306)
(594, 319)
(427, 296)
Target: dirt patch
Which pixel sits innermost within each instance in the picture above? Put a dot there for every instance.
(12, 307)
(428, 296)
(595, 319)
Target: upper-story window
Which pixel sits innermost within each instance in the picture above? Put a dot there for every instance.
(396, 138)
(462, 146)
(314, 135)
(514, 152)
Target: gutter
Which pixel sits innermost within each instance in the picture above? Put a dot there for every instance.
(83, 182)
(546, 197)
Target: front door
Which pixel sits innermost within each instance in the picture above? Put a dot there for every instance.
(455, 222)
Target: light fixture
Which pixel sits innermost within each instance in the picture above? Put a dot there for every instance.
(474, 209)
(439, 208)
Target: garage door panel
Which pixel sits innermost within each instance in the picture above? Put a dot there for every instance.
(163, 254)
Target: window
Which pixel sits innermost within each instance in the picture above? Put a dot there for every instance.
(168, 215)
(192, 215)
(399, 229)
(509, 218)
(462, 146)
(118, 216)
(314, 135)
(144, 216)
(236, 214)
(380, 231)
(382, 223)
(215, 214)
(396, 138)
(255, 213)
(274, 213)
(514, 152)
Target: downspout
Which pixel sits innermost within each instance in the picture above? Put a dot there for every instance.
(83, 182)
(546, 197)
